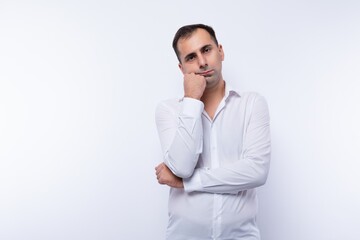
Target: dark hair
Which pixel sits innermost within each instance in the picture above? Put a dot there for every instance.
(186, 31)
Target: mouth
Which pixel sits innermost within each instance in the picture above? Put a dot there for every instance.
(206, 73)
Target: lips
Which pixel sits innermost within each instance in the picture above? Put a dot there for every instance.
(206, 73)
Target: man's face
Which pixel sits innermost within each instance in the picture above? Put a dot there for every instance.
(200, 55)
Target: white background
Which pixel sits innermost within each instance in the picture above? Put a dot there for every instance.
(79, 83)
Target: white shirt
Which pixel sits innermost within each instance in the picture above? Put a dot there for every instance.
(221, 162)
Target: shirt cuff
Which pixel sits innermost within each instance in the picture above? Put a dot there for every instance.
(193, 183)
(192, 107)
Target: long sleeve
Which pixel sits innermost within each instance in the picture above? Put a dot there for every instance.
(181, 135)
(251, 169)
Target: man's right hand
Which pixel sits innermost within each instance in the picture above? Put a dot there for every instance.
(165, 176)
(194, 85)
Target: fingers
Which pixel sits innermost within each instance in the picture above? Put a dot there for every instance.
(158, 169)
(165, 177)
(194, 85)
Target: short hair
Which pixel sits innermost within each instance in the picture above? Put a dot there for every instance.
(186, 31)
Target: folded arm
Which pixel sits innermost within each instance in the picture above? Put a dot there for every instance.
(250, 170)
(181, 136)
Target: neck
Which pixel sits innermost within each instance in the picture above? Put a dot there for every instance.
(212, 97)
(215, 93)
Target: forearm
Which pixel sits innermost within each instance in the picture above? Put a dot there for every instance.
(242, 175)
(183, 153)
(181, 136)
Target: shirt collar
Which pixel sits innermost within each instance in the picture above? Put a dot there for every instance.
(229, 91)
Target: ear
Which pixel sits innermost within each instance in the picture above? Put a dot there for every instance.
(221, 52)
(181, 68)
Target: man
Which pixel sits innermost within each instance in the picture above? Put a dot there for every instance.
(216, 146)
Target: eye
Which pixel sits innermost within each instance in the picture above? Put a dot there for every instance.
(207, 50)
(190, 58)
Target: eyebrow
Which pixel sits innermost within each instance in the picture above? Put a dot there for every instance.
(193, 54)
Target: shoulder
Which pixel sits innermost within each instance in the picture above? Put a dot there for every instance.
(254, 102)
(256, 105)
(168, 105)
(252, 97)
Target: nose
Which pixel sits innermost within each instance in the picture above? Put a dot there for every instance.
(202, 62)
